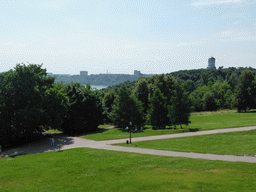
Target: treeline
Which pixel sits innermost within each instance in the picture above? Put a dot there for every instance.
(158, 100)
(209, 89)
(100, 79)
(31, 102)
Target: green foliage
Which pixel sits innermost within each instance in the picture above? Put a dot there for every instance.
(245, 92)
(55, 105)
(140, 90)
(21, 101)
(107, 103)
(180, 108)
(158, 110)
(127, 108)
(84, 110)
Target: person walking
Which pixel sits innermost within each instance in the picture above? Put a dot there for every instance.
(52, 142)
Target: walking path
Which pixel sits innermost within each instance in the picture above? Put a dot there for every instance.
(187, 134)
(75, 142)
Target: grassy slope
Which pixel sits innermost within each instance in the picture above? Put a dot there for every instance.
(99, 170)
(235, 143)
(201, 121)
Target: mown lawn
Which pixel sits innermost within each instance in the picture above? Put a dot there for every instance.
(234, 143)
(201, 121)
(98, 170)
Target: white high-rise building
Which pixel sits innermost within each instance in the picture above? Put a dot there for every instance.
(211, 63)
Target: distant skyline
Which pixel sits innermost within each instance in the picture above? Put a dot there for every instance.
(152, 36)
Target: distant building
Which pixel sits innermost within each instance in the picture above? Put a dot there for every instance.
(211, 63)
(137, 73)
(84, 73)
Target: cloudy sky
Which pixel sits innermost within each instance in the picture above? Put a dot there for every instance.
(153, 36)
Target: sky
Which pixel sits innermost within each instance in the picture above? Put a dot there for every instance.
(152, 36)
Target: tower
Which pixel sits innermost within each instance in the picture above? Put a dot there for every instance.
(211, 63)
(84, 73)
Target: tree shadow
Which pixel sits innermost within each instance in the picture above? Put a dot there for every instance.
(98, 130)
(40, 146)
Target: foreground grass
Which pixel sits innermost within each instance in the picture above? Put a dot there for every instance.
(201, 121)
(98, 170)
(234, 143)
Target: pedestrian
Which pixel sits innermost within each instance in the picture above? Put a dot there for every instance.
(52, 142)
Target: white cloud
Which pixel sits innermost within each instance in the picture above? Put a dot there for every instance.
(200, 3)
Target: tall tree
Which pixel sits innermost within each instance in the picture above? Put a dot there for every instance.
(245, 91)
(84, 110)
(158, 110)
(140, 91)
(180, 109)
(127, 108)
(107, 103)
(21, 99)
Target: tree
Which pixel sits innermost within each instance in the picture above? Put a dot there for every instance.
(107, 103)
(127, 108)
(158, 110)
(140, 91)
(180, 109)
(55, 104)
(209, 101)
(245, 91)
(84, 110)
(21, 100)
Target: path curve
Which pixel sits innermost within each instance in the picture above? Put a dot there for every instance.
(76, 142)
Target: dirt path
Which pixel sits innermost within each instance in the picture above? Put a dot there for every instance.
(75, 142)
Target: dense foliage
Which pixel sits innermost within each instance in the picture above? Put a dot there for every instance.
(30, 101)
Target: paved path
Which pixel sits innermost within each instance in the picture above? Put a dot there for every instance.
(75, 142)
(187, 134)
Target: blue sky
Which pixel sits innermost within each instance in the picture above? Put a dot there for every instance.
(153, 36)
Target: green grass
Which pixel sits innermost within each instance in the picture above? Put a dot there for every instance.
(222, 120)
(117, 133)
(234, 143)
(201, 121)
(98, 170)
(53, 131)
(104, 126)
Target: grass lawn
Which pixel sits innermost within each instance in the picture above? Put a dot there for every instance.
(234, 143)
(201, 121)
(53, 131)
(117, 133)
(99, 170)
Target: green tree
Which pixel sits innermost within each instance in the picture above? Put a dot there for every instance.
(245, 91)
(158, 110)
(55, 104)
(21, 100)
(107, 103)
(140, 91)
(127, 108)
(84, 110)
(180, 109)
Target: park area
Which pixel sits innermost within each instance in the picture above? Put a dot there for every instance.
(93, 169)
